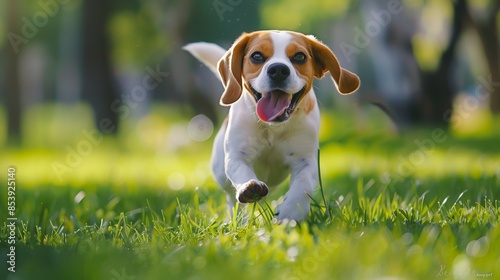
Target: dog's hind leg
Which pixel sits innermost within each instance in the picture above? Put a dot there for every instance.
(218, 169)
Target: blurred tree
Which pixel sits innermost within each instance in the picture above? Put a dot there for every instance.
(137, 40)
(98, 86)
(432, 83)
(222, 20)
(68, 56)
(13, 97)
(303, 16)
(438, 86)
(184, 21)
(486, 24)
(178, 14)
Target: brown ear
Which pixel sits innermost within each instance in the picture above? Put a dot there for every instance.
(346, 82)
(230, 67)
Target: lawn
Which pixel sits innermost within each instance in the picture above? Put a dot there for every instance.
(142, 205)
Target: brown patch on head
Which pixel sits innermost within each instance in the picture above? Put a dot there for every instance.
(305, 70)
(236, 66)
(321, 60)
(324, 61)
(260, 42)
(230, 66)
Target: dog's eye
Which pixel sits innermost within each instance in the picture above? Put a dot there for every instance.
(257, 57)
(299, 58)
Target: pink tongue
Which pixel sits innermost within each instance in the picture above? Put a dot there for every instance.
(272, 105)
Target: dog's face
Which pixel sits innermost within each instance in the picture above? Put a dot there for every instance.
(278, 68)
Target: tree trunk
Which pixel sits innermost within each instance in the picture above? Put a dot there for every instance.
(13, 97)
(98, 85)
(487, 30)
(438, 87)
(491, 47)
(182, 77)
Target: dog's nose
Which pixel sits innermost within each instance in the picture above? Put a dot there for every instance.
(278, 72)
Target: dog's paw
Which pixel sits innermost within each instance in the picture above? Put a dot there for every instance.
(296, 210)
(251, 191)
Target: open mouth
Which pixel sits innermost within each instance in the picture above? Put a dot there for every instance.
(276, 105)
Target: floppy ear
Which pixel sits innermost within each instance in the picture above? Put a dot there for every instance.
(346, 82)
(230, 67)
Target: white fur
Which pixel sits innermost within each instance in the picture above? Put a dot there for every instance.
(248, 151)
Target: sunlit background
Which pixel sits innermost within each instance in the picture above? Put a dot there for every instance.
(69, 65)
(109, 126)
(101, 90)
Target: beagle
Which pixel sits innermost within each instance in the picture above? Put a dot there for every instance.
(271, 131)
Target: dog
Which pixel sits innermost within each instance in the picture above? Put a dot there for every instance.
(271, 131)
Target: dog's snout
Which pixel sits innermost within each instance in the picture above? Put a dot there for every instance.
(278, 72)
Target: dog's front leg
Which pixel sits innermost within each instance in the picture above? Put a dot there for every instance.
(302, 183)
(248, 187)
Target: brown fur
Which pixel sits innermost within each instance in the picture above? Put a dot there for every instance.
(236, 65)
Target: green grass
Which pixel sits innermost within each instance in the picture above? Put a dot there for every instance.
(139, 208)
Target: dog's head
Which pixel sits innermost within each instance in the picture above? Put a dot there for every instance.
(278, 68)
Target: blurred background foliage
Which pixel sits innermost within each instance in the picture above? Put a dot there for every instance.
(104, 115)
(77, 63)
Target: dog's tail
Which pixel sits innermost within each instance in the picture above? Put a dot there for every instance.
(208, 53)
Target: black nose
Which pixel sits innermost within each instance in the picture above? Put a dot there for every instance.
(278, 72)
